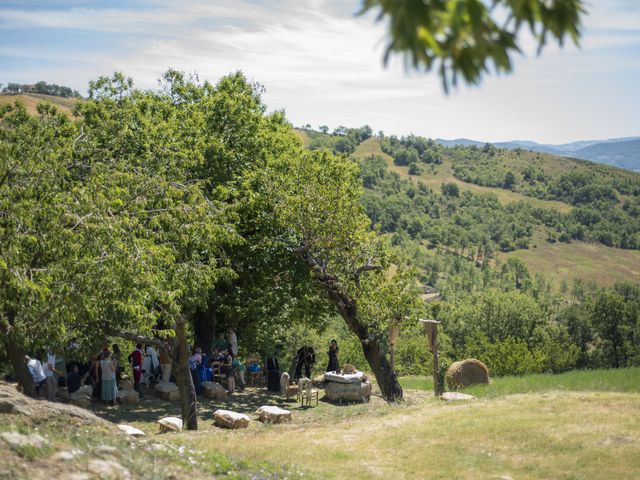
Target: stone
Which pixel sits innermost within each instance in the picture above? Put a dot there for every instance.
(213, 390)
(82, 402)
(170, 424)
(18, 440)
(132, 431)
(14, 402)
(66, 455)
(107, 451)
(348, 391)
(272, 414)
(127, 397)
(126, 386)
(456, 396)
(84, 389)
(467, 372)
(108, 470)
(229, 419)
(168, 391)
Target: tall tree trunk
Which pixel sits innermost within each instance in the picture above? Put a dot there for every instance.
(188, 400)
(385, 375)
(16, 354)
(205, 328)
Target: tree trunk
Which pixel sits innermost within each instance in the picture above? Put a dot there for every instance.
(205, 328)
(188, 400)
(385, 375)
(16, 354)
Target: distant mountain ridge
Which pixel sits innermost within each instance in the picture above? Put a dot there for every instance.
(619, 152)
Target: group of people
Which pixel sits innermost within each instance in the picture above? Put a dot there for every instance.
(223, 361)
(105, 370)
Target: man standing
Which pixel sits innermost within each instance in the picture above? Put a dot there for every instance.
(36, 371)
(135, 359)
(50, 372)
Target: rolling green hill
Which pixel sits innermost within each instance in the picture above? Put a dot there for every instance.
(560, 216)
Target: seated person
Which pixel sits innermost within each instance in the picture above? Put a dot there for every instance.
(74, 380)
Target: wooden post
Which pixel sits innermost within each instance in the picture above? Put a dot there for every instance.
(431, 327)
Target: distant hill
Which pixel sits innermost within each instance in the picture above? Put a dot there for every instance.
(31, 101)
(619, 152)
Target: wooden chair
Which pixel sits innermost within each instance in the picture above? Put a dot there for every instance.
(218, 376)
(306, 392)
(254, 376)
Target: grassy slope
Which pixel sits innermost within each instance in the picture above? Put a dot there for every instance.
(444, 174)
(31, 101)
(586, 261)
(564, 426)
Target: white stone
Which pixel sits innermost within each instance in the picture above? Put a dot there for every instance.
(17, 440)
(86, 389)
(170, 424)
(213, 390)
(108, 470)
(67, 455)
(133, 431)
(272, 414)
(229, 419)
(456, 396)
(358, 392)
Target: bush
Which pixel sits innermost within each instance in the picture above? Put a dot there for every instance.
(508, 357)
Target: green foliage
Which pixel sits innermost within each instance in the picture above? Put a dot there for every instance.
(471, 37)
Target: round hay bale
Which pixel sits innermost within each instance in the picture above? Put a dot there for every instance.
(467, 372)
(348, 368)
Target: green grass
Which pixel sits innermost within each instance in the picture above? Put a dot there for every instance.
(585, 261)
(610, 380)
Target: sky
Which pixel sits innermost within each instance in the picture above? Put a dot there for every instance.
(322, 64)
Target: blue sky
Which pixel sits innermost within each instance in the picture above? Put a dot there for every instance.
(323, 65)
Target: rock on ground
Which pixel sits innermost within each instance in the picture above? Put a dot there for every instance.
(214, 390)
(170, 424)
(133, 431)
(14, 402)
(272, 414)
(128, 397)
(168, 391)
(229, 419)
(19, 440)
(358, 392)
(456, 396)
(108, 470)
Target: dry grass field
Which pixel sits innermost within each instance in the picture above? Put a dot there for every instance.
(31, 101)
(585, 261)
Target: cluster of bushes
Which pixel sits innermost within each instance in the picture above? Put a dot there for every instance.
(43, 88)
(343, 140)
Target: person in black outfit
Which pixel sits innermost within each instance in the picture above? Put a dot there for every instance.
(305, 357)
(74, 380)
(333, 365)
(273, 374)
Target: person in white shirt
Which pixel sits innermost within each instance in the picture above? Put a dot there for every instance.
(50, 371)
(37, 372)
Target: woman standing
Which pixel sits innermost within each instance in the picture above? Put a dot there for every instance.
(333, 365)
(109, 390)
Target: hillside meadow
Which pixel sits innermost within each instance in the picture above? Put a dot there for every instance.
(570, 426)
